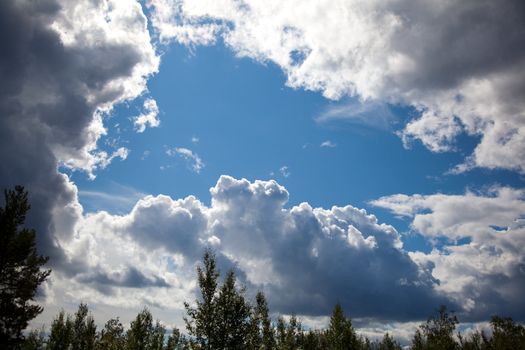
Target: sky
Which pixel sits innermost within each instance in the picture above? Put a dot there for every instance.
(370, 153)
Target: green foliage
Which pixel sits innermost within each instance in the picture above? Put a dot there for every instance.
(201, 320)
(437, 333)
(506, 334)
(112, 336)
(261, 335)
(142, 334)
(177, 341)
(340, 334)
(232, 316)
(84, 330)
(35, 340)
(20, 269)
(388, 343)
(221, 318)
(61, 332)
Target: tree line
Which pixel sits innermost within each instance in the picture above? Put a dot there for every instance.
(220, 318)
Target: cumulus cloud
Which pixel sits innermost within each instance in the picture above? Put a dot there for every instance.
(487, 272)
(63, 65)
(148, 117)
(196, 163)
(305, 259)
(460, 64)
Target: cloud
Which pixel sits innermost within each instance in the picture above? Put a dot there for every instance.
(328, 144)
(148, 117)
(117, 198)
(195, 161)
(461, 65)
(285, 171)
(63, 66)
(371, 114)
(487, 273)
(305, 259)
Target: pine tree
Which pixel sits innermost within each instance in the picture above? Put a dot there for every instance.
(61, 333)
(261, 333)
(201, 320)
(388, 343)
(84, 330)
(232, 312)
(340, 334)
(20, 269)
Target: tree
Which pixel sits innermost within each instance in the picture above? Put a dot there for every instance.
(140, 333)
(437, 333)
(112, 336)
(261, 333)
(61, 333)
(233, 316)
(20, 269)
(221, 317)
(388, 343)
(35, 340)
(177, 341)
(84, 330)
(340, 334)
(200, 321)
(506, 334)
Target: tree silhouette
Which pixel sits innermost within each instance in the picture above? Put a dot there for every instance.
(20, 269)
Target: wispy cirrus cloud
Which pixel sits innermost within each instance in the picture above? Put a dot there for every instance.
(195, 162)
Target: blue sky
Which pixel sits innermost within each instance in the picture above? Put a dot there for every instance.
(242, 120)
(346, 151)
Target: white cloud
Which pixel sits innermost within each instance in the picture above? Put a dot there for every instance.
(64, 65)
(305, 259)
(195, 139)
(285, 171)
(328, 144)
(371, 114)
(148, 117)
(196, 162)
(437, 57)
(487, 273)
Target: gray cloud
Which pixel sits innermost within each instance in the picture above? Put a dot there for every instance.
(61, 68)
(486, 274)
(131, 277)
(305, 259)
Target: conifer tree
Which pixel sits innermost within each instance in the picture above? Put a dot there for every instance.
(340, 334)
(388, 343)
(20, 269)
(84, 330)
(201, 320)
(61, 333)
(233, 316)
